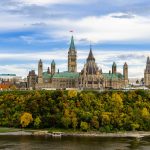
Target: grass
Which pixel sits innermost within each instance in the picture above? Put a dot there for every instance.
(5, 130)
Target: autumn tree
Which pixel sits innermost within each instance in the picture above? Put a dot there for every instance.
(72, 93)
(26, 119)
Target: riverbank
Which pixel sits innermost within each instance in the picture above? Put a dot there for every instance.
(135, 134)
(139, 134)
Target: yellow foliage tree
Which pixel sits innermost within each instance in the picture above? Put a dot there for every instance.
(145, 113)
(106, 118)
(72, 93)
(117, 101)
(26, 119)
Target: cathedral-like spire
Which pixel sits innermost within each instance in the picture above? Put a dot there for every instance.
(72, 57)
(90, 57)
(53, 67)
(148, 60)
(53, 62)
(48, 70)
(125, 64)
(72, 46)
(114, 64)
(40, 61)
(114, 68)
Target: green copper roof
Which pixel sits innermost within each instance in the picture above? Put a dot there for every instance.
(113, 76)
(46, 75)
(7, 74)
(72, 46)
(66, 75)
(72, 75)
(61, 75)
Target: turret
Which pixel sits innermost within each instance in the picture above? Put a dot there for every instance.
(125, 73)
(147, 73)
(40, 71)
(90, 57)
(72, 57)
(48, 70)
(53, 67)
(114, 68)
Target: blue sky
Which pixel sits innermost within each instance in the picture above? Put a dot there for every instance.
(119, 30)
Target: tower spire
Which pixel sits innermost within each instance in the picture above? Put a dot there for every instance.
(53, 67)
(148, 60)
(40, 71)
(114, 68)
(72, 57)
(72, 46)
(90, 57)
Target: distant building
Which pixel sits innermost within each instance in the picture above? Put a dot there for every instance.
(31, 79)
(10, 81)
(90, 77)
(10, 77)
(147, 73)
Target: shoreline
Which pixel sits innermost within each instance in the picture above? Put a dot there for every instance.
(136, 134)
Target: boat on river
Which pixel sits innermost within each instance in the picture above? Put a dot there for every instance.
(56, 134)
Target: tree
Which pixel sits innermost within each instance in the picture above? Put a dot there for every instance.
(37, 122)
(26, 119)
(94, 122)
(117, 102)
(72, 93)
(135, 126)
(105, 118)
(74, 122)
(145, 113)
(66, 121)
(84, 126)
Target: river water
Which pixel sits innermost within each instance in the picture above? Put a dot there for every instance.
(72, 143)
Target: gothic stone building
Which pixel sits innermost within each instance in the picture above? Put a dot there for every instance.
(90, 77)
(147, 73)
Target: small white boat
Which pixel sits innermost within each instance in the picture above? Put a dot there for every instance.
(56, 134)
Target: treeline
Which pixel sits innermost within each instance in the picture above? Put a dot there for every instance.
(87, 110)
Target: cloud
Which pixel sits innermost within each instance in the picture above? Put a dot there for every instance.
(112, 27)
(50, 2)
(104, 59)
(123, 15)
(98, 29)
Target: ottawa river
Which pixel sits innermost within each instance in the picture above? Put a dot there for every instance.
(72, 143)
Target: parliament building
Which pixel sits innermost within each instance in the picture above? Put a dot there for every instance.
(90, 77)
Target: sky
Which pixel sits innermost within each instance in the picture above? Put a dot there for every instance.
(119, 30)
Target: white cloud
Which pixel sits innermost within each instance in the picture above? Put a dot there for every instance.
(106, 28)
(45, 2)
(118, 27)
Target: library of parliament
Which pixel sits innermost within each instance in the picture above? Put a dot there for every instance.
(90, 77)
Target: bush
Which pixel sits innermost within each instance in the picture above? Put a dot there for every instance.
(84, 126)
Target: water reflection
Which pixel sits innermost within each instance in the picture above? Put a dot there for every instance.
(72, 143)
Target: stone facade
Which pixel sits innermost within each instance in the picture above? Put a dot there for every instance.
(147, 73)
(90, 77)
(32, 79)
(72, 57)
